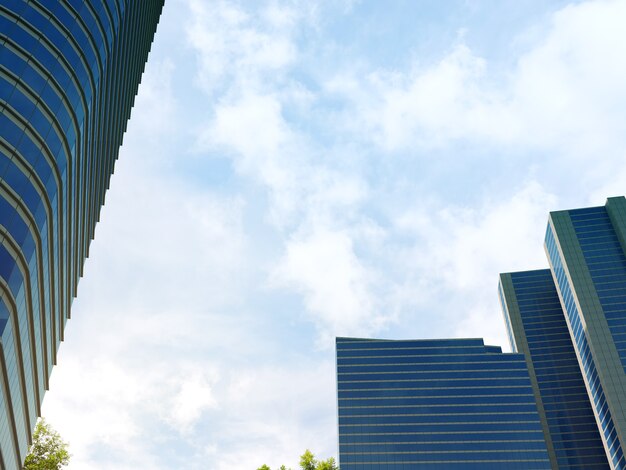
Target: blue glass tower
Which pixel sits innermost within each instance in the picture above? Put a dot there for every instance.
(537, 328)
(435, 404)
(586, 250)
(69, 71)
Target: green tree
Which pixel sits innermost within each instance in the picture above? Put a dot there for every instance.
(49, 450)
(329, 464)
(308, 462)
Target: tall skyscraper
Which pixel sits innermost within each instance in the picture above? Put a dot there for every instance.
(453, 404)
(586, 250)
(537, 328)
(69, 72)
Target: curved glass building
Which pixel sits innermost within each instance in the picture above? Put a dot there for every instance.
(69, 72)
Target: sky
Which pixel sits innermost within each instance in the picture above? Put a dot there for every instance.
(295, 171)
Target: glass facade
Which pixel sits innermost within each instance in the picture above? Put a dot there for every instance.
(585, 248)
(606, 262)
(453, 404)
(69, 71)
(535, 320)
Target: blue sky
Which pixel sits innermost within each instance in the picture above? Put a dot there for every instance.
(294, 171)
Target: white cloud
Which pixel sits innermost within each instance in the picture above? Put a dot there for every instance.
(168, 230)
(453, 264)
(282, 410)
(613, 185)
(314, 205)
(234, 44)
(564, 95)
(307, 193)
(123, 408)
(73, 414)
(470, 243)
(194, 395)
(264, 147)
(254, 129)
(568, 89)
(435, 105)
(336, 287)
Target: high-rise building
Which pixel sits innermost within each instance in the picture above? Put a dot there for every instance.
(69, 71)
(537, 328)
(558, 401)
(433, 404)
(586, 250)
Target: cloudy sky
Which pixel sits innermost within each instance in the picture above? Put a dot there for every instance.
(298, 170)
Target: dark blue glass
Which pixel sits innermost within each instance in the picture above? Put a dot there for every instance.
(435, 404)
(595, 391)
(61, 88)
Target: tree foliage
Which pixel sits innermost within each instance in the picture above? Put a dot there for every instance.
(309, 462)
(329, 464)
(49, 450)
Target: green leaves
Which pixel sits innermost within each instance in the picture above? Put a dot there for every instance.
(49, 451)
(308, 462)
(327, 465)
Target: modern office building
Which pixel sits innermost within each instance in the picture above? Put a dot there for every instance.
(586, 251)
(69, 71)
(453, 404)
(537, 328)
(558, 401)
